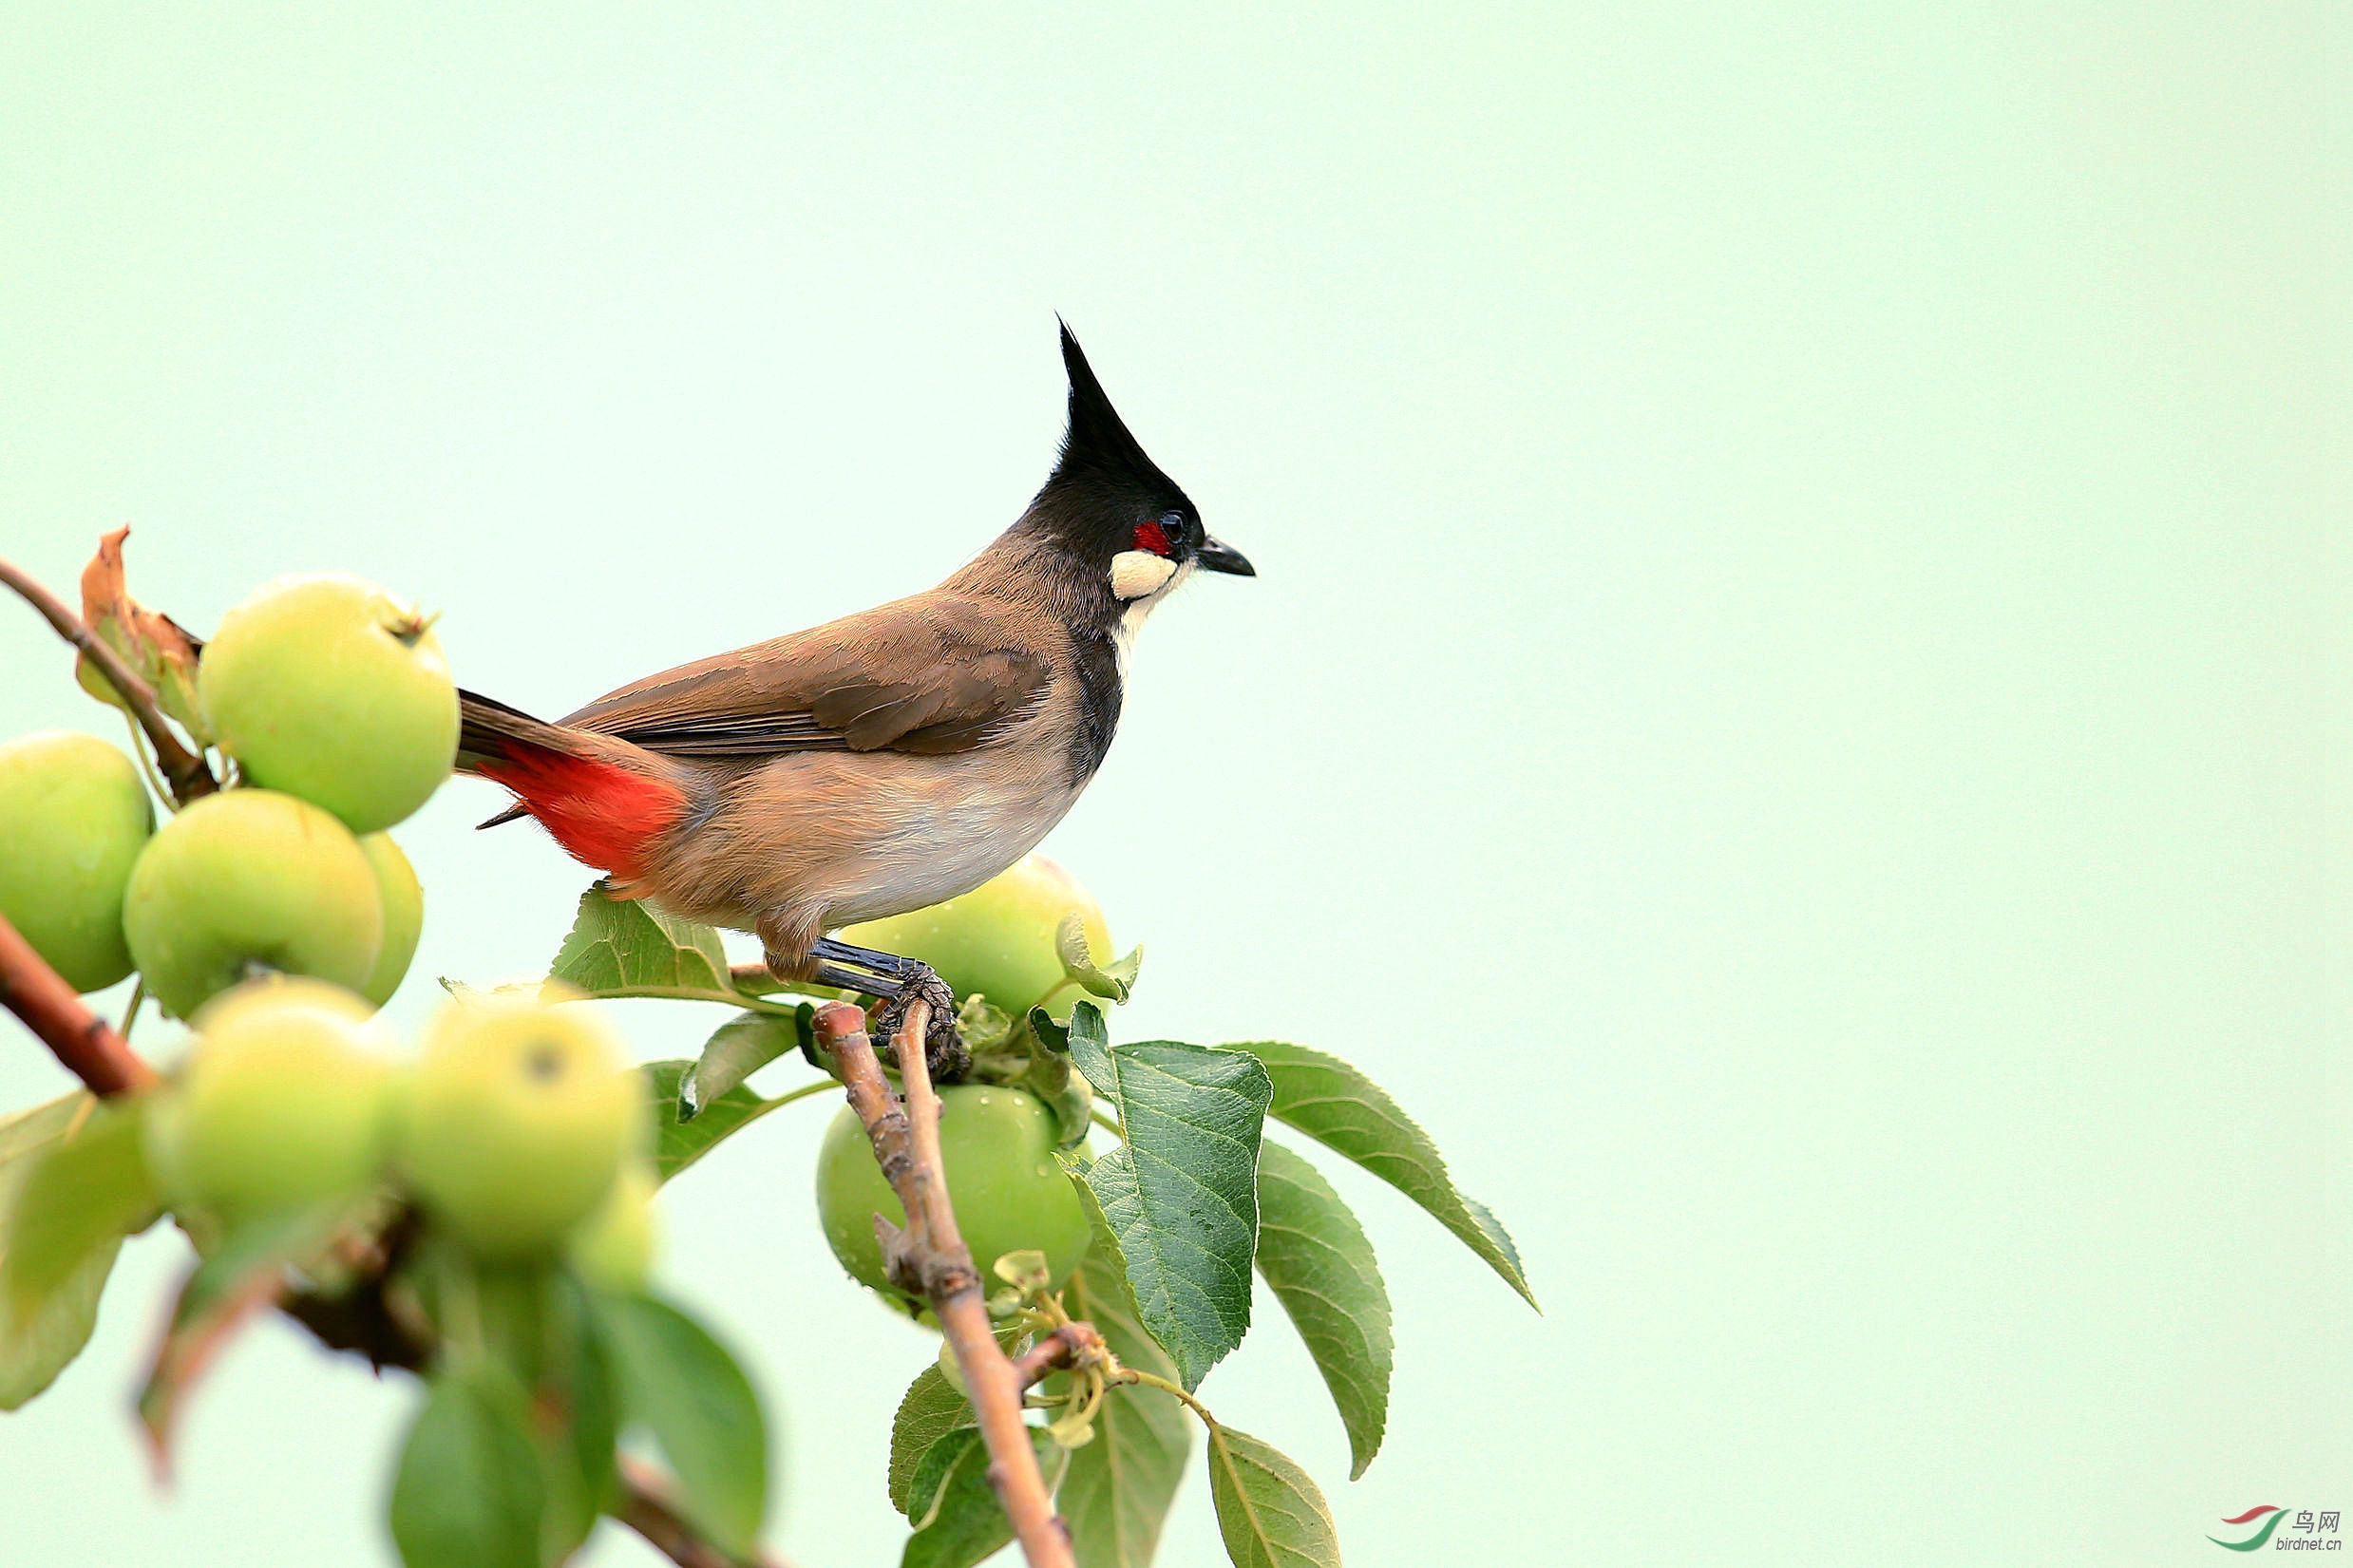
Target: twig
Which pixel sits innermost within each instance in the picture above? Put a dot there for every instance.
(645, 1510)
(90, 1050)
(1052, 1351)
(189, 777)
(906, 1144)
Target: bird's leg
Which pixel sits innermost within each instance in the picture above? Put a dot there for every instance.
(899, 981)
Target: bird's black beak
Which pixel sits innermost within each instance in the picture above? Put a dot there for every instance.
(1214, 555)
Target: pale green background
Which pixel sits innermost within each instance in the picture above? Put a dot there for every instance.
(1794, 709)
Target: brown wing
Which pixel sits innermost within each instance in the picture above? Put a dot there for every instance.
(931, 676)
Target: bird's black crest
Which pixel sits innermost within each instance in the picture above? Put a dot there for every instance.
(1102, 467)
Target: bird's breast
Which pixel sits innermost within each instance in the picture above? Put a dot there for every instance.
(844, 836)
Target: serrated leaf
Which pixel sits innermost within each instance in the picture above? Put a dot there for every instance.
(963, 1522)
(931, 1409)
(1115, 981)
(681, 1384)
(678, 1144)
(36, 1347)
(243, 1276)
(1181, 1191)
(1314, 1256)
(1271, 1514)
(81, 1193)
(1348, 1113)
(1118, 1489)
(934, 1467)
(738, 1048)
(621, 946)
(468, 1493)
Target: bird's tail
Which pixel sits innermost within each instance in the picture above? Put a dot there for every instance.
(602, 799)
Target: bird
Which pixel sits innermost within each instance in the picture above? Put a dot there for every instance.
(884, 761)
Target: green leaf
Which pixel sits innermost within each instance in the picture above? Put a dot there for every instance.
(741, 1047)
(1115, 981)
(685, 1388)
(541, 1327)
(678, 1144)
(1118, 1489)
(1047, 1074)
(1315, 1256)
(621, 946)
(931, 1409)
(1348, 1113)
(244, 1275)
(927, 1484)
(80, 1196)
(468, 1493)
(1181, 1191)
(1271, 1514)
(36, 1346)
(28, 1131)
(963, 1522)
(574, 1417)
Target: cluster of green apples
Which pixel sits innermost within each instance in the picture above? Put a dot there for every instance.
(996, 1142)
(519, 1127)
(332, 699)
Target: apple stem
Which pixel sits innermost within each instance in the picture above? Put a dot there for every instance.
(907, 1144)
(189, 777)
(130, 1013)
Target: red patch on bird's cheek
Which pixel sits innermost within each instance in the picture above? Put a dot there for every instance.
(1149, 537)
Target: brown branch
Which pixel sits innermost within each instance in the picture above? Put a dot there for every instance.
(184, 769)
(647, 1510)
(85, 1043)
(1069, 1345)
(906, 1144)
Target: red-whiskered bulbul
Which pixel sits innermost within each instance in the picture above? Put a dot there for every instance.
(886, 760)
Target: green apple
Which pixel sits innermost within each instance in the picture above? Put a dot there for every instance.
(998, 939)
(331, 688)
(247, 880)
(614, 1248)
(1008, 1189)
(73, 818)
(281, 1104)
(517, 1120)
(403, 898)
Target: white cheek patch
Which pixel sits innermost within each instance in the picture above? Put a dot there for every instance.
(1137, 572)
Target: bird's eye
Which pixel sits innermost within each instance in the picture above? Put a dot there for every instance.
(1179, 527)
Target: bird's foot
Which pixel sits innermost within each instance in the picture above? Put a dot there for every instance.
(943, 1045)
(899, 982)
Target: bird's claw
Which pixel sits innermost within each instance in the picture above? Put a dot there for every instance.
(943, 1044)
